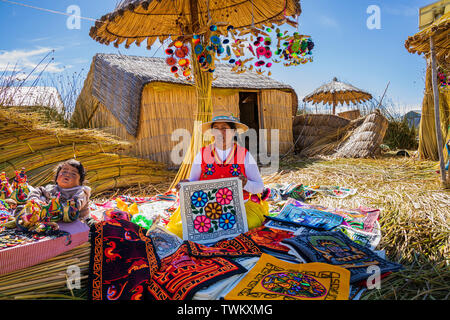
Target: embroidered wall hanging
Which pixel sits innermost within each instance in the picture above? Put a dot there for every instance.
(181, 275)
(240, 246)
(269, 239)
(220, 289)
(122, 261)
(274, 279)
(366, 239)
(212, 210)
(336, 249)
(362, 218)
(301, 214)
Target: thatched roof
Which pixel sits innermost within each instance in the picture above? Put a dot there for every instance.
(309, 128)
(31, 96)
(118, 82)
(139, 20)
(365, 140)
(439, 30)
(325, 134)
(337, 92)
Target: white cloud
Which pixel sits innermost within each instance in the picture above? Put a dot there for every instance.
(27, 60)
(329, 22)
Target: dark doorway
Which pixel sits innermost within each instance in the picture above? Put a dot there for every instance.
(248, 110)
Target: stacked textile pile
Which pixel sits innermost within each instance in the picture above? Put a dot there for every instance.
(302, 251)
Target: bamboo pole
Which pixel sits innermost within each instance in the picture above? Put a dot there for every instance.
(203, 85)
(437, 118)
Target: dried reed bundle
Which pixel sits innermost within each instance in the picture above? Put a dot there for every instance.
(38, 147)
(47, 279)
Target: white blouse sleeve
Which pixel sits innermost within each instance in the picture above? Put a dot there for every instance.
(254, 181)
(196, 168)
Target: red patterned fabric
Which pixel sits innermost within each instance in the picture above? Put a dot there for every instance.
(240, 246)
(182, 275)
(122, 261)
(213, 167)
(269, 238)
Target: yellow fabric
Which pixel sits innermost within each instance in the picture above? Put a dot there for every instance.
(334, 281)
(255, 217)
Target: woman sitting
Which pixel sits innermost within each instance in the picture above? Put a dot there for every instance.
(224, 158)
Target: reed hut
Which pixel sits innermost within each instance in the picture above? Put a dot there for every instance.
(138, 100)
(331, 135)
(420, 43)
(309, 128)
(365, 140)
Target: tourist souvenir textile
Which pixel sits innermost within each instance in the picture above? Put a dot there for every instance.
(300, 214)
(122, 261)
(219, 289)
(241, 246)
(367, 239)
(332, 191)
(336, 249)
(212, 210)
(114, 214)
(269, 240)
(164, 241)
(181, 275)
(300, 192)
(273, 279)
(362, 218)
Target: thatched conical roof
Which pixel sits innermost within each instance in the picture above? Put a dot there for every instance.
(440, 31)
(139, 20)
(337, 92)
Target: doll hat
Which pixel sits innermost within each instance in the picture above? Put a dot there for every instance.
(224, 116)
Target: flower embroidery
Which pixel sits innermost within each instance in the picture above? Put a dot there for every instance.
(202, 224)
(213, 210)
(199, 198)
(210, 169)
(224, 196)
(227, 221)
(235, 170)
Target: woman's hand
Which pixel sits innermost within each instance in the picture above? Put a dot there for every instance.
(178, 186)
(243, 179)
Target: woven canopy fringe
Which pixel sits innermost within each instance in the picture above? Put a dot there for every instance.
(337, 92)
(137, 21)
(439, 30)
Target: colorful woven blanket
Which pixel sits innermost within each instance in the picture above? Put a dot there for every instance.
(273, 279)
(337, 249)
(122, 261)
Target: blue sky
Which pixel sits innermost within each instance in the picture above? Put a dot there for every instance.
(345, 47)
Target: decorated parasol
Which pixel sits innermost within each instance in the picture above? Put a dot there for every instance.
(337, 92)
(243, 33)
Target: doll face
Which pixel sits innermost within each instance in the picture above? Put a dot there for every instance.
(68, 177)
(222, 133)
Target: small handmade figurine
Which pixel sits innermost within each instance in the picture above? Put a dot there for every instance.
(39, 218)
(20, 187)
(5, 188)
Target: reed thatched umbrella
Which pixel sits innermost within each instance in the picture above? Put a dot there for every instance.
(337, 92)
(135, 21)
(434, 42)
